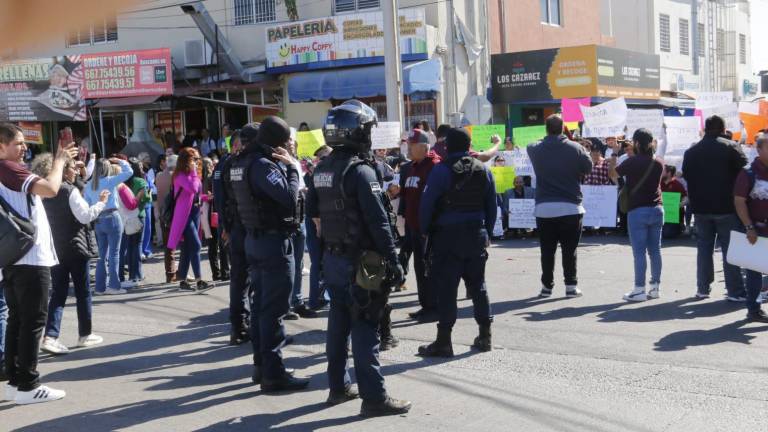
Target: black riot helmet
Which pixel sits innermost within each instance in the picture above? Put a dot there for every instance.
(349, 125)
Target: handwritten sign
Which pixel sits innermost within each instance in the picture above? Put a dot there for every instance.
(671, 201)
(729, 112)
(308, 142)
(681, 133)
(481, 135)
(528, 135)
(600, 205)
(651, 119)
(504, 177)
(571, 110)
(606, 119)
(521, 213)
(385, 135)
(522, 163)
(706, 100)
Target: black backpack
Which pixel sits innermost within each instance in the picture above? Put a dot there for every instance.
(17, 234)
(169, 205)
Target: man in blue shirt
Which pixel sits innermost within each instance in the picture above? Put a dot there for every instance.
(458, 212)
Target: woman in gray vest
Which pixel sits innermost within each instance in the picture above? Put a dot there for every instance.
(70, 217)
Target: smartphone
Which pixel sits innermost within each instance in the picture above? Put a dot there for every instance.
(65, 135)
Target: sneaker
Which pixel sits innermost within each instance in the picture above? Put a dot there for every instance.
(39, 395)
(98, 293)
(758, 316)
(305, 272)
(348, 394)
(291, 316)
(416, 315)
(185, 286)
(571, 291)
(304, 312)
(735, 299)
(203, 286)
(128, 284)
(9, 393)
(762, 297)
(653, 292)
(89, 341)
(53, 346)
(637, 295)
(545, 292)
(111, 291)
(701, 295)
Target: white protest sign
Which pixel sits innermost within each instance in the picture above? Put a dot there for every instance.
(752, 108)
(600, 204)
(606, 119)
(293, 133)
(522, 163)
(385, 135)
(651, 119)
(521, 213)
(498, 228)
(750, 152)
(729, 112)
(681, 133)
(706, 100)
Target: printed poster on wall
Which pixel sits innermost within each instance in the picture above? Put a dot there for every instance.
(128, 73)
(45, 89)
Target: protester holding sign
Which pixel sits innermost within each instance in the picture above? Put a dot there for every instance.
(645, 213)
(559, 164)
(670, 184)
(710, 167)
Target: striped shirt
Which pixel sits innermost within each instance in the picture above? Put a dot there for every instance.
(15, 185)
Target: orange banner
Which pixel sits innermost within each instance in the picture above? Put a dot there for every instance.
(33, 132)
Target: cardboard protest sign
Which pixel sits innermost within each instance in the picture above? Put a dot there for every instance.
(521, 213)
(606, 119)
(481, 135)
(671, 201)
(651, 119)
(600, 203)
(706, 100)
(307, 142)
(504, 177)
(729, 112)
(682, 132)
(525, 135)
(571, 109)
(521, 162)
(385, 135)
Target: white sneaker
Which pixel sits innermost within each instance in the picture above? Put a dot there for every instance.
(98, 293)
(653, 293)
(571, 291)
(10, 392)
(637, 295)
(305, 272)
(762, 297)
(53, 346)
(127, 284)
(112, 291)
(39, 395)
(90, 340)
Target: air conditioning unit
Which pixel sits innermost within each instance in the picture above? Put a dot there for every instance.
(197, 52)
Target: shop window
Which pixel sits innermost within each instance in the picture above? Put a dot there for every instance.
(342, 6)
(742, 49)
(254, 11)
(700, 37)
(684, 37)
(664, 33)
(99, 32)
(550, 12)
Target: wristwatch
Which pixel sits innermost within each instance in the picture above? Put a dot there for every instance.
(749, 227)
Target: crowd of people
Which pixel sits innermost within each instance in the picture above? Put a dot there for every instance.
(362, 216)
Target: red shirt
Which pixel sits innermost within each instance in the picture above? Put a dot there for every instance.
(414, 185)
(757, 195)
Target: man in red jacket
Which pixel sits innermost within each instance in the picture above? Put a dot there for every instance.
(412, 186)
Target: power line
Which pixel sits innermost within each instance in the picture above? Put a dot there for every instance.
(155, 8)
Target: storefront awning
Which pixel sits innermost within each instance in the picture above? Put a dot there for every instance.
(126, 101)
(363, 82)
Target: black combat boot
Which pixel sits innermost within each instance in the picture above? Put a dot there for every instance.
(287, 382)
(388, 340)
(388, 406)
(348, 394)
(483, 341)
(442, 347)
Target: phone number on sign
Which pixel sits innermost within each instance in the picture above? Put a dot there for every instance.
(113, 72)
(111, 84)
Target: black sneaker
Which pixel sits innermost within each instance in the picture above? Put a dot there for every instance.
(545, 292)
(185, 286)
(386, 407)
(417, 314)
(388, 342)
(336, 398)
(428, 317)
(291, 316)
(303, 311)
(287, 382)
(203, 286)
(758, 316)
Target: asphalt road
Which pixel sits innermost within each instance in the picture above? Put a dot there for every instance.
(594, 363)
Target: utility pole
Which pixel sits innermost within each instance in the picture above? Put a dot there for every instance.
(392, 62)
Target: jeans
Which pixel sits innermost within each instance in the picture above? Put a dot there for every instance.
(341, 325)
(645, 236)
(565, 230)
(754, 284)
(270, 256)
(190, 246)
(26, 292)
(77, 267)
(146, 235)
(709, 227)
(459, 253)
(3, 322)
(238, 292)
(314, 247)
(298, 261)
(133, 256)
(109, 233)
(426, 293)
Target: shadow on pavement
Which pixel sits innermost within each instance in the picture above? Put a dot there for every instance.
(733, 332)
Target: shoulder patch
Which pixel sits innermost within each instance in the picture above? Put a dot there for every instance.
(323, 179)
(274, 176)
(375, 187)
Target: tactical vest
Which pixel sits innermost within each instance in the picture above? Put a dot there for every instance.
(256, 212)
(469, 183)
(231, 214)
(70, 237)
(341, 220)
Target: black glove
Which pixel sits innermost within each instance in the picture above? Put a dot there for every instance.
(396, 273)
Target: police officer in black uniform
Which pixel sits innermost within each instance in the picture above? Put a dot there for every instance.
(266, 193)
(458, 212)
(233, 237)
(360, 263)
